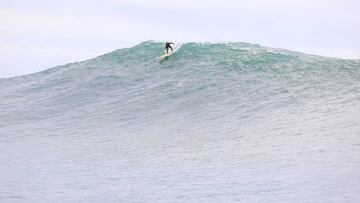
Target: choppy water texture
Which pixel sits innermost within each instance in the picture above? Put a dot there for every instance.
(231, 122)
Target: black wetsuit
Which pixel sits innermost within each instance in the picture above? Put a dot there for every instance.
(167, 46)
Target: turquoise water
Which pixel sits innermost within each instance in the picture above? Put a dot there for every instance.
(215, 122)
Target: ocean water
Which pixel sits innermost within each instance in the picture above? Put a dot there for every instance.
(215, 122)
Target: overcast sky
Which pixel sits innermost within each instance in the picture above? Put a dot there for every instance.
(39, 34)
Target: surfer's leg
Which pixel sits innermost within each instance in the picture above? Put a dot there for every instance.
(167, 50)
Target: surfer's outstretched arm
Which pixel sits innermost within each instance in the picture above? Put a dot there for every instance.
(170, 46)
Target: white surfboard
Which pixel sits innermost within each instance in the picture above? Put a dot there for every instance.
(165, 56)
(177, 47)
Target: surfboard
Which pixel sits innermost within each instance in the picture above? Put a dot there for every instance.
(176, 47)
(165, 56)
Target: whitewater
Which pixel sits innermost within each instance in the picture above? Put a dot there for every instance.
(215, 122)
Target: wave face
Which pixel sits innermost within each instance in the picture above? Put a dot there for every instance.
(212, 123)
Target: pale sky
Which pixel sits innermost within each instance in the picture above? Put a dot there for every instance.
(39, 34)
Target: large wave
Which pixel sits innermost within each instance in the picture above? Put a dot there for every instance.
(214, 122)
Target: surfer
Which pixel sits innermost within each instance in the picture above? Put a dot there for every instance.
(168, 46)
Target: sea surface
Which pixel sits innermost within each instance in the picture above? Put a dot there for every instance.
(214, 122)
